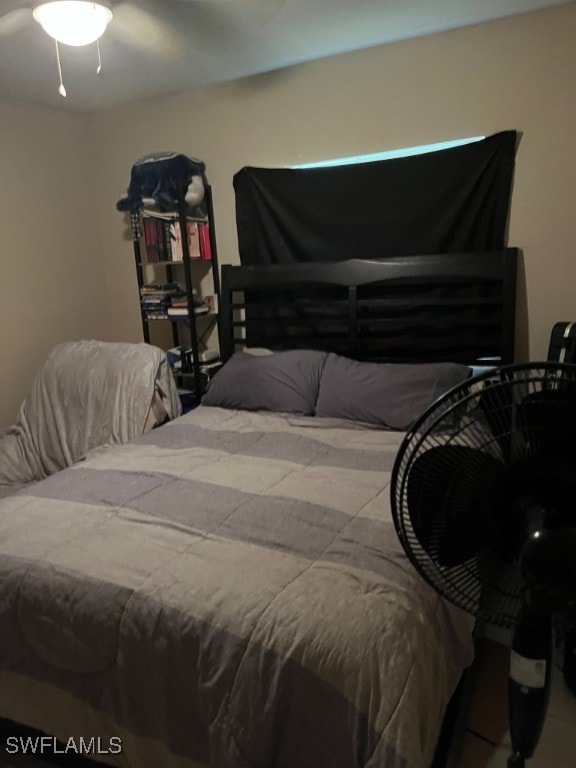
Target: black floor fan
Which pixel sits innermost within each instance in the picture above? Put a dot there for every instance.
(484, 503)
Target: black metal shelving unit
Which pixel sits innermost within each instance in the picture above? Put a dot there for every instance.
(174, 271)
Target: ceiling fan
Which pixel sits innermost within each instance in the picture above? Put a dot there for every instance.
(161, 28)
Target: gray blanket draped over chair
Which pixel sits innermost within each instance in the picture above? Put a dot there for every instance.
(87, 394)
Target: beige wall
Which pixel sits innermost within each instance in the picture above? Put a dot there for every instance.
(51, 288)
(516, 73)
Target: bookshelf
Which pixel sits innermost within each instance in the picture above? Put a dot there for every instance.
(176, 257)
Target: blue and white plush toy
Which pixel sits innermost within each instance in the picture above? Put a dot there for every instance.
(159, 179)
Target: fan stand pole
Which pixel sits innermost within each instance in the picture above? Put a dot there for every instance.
(529, 681)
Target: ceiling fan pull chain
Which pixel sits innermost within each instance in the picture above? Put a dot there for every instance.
(61, 89)
(99, 68)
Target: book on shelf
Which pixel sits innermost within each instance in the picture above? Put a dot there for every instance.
(199, 309)
(151, 241)
(171, 288)
(163, 240)
(193, 233)
(155, 291)
(204, 238)
(156, 298)
(157, 240)
(176, 242)
(151, 315)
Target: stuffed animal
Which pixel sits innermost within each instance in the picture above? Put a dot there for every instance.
(160, 178)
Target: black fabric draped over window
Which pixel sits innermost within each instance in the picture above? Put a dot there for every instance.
(450, 201)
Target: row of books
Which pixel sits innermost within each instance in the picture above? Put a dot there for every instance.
(163, 239)
(169, 301)
(174, 314)
(155, 299)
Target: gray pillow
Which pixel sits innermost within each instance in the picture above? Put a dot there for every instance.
(389, 395)
(286, 382)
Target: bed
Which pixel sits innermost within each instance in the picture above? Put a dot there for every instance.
(228, 589)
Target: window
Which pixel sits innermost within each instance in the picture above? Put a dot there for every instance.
(390, 154)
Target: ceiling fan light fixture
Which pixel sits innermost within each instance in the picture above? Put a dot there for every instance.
(74, 22)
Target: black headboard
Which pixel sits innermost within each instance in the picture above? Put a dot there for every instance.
(456, 307)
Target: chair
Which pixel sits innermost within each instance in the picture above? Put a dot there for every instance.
(86, 395)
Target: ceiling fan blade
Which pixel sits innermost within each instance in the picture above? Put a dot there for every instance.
(245, 15)
(146, 30)
(14, 20)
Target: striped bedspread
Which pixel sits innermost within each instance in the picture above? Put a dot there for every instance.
(226, 591)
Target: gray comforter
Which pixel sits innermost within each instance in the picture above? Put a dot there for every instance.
(87, 394)
(229, 591)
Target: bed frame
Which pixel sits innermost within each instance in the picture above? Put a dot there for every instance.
(458, 307)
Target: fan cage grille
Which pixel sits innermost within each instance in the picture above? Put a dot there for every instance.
(487, 414)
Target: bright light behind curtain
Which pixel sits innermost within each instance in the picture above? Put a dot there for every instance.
(390, 154)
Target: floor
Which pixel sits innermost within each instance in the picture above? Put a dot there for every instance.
(486, 743)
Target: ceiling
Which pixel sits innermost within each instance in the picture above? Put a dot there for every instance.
(156, 47)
